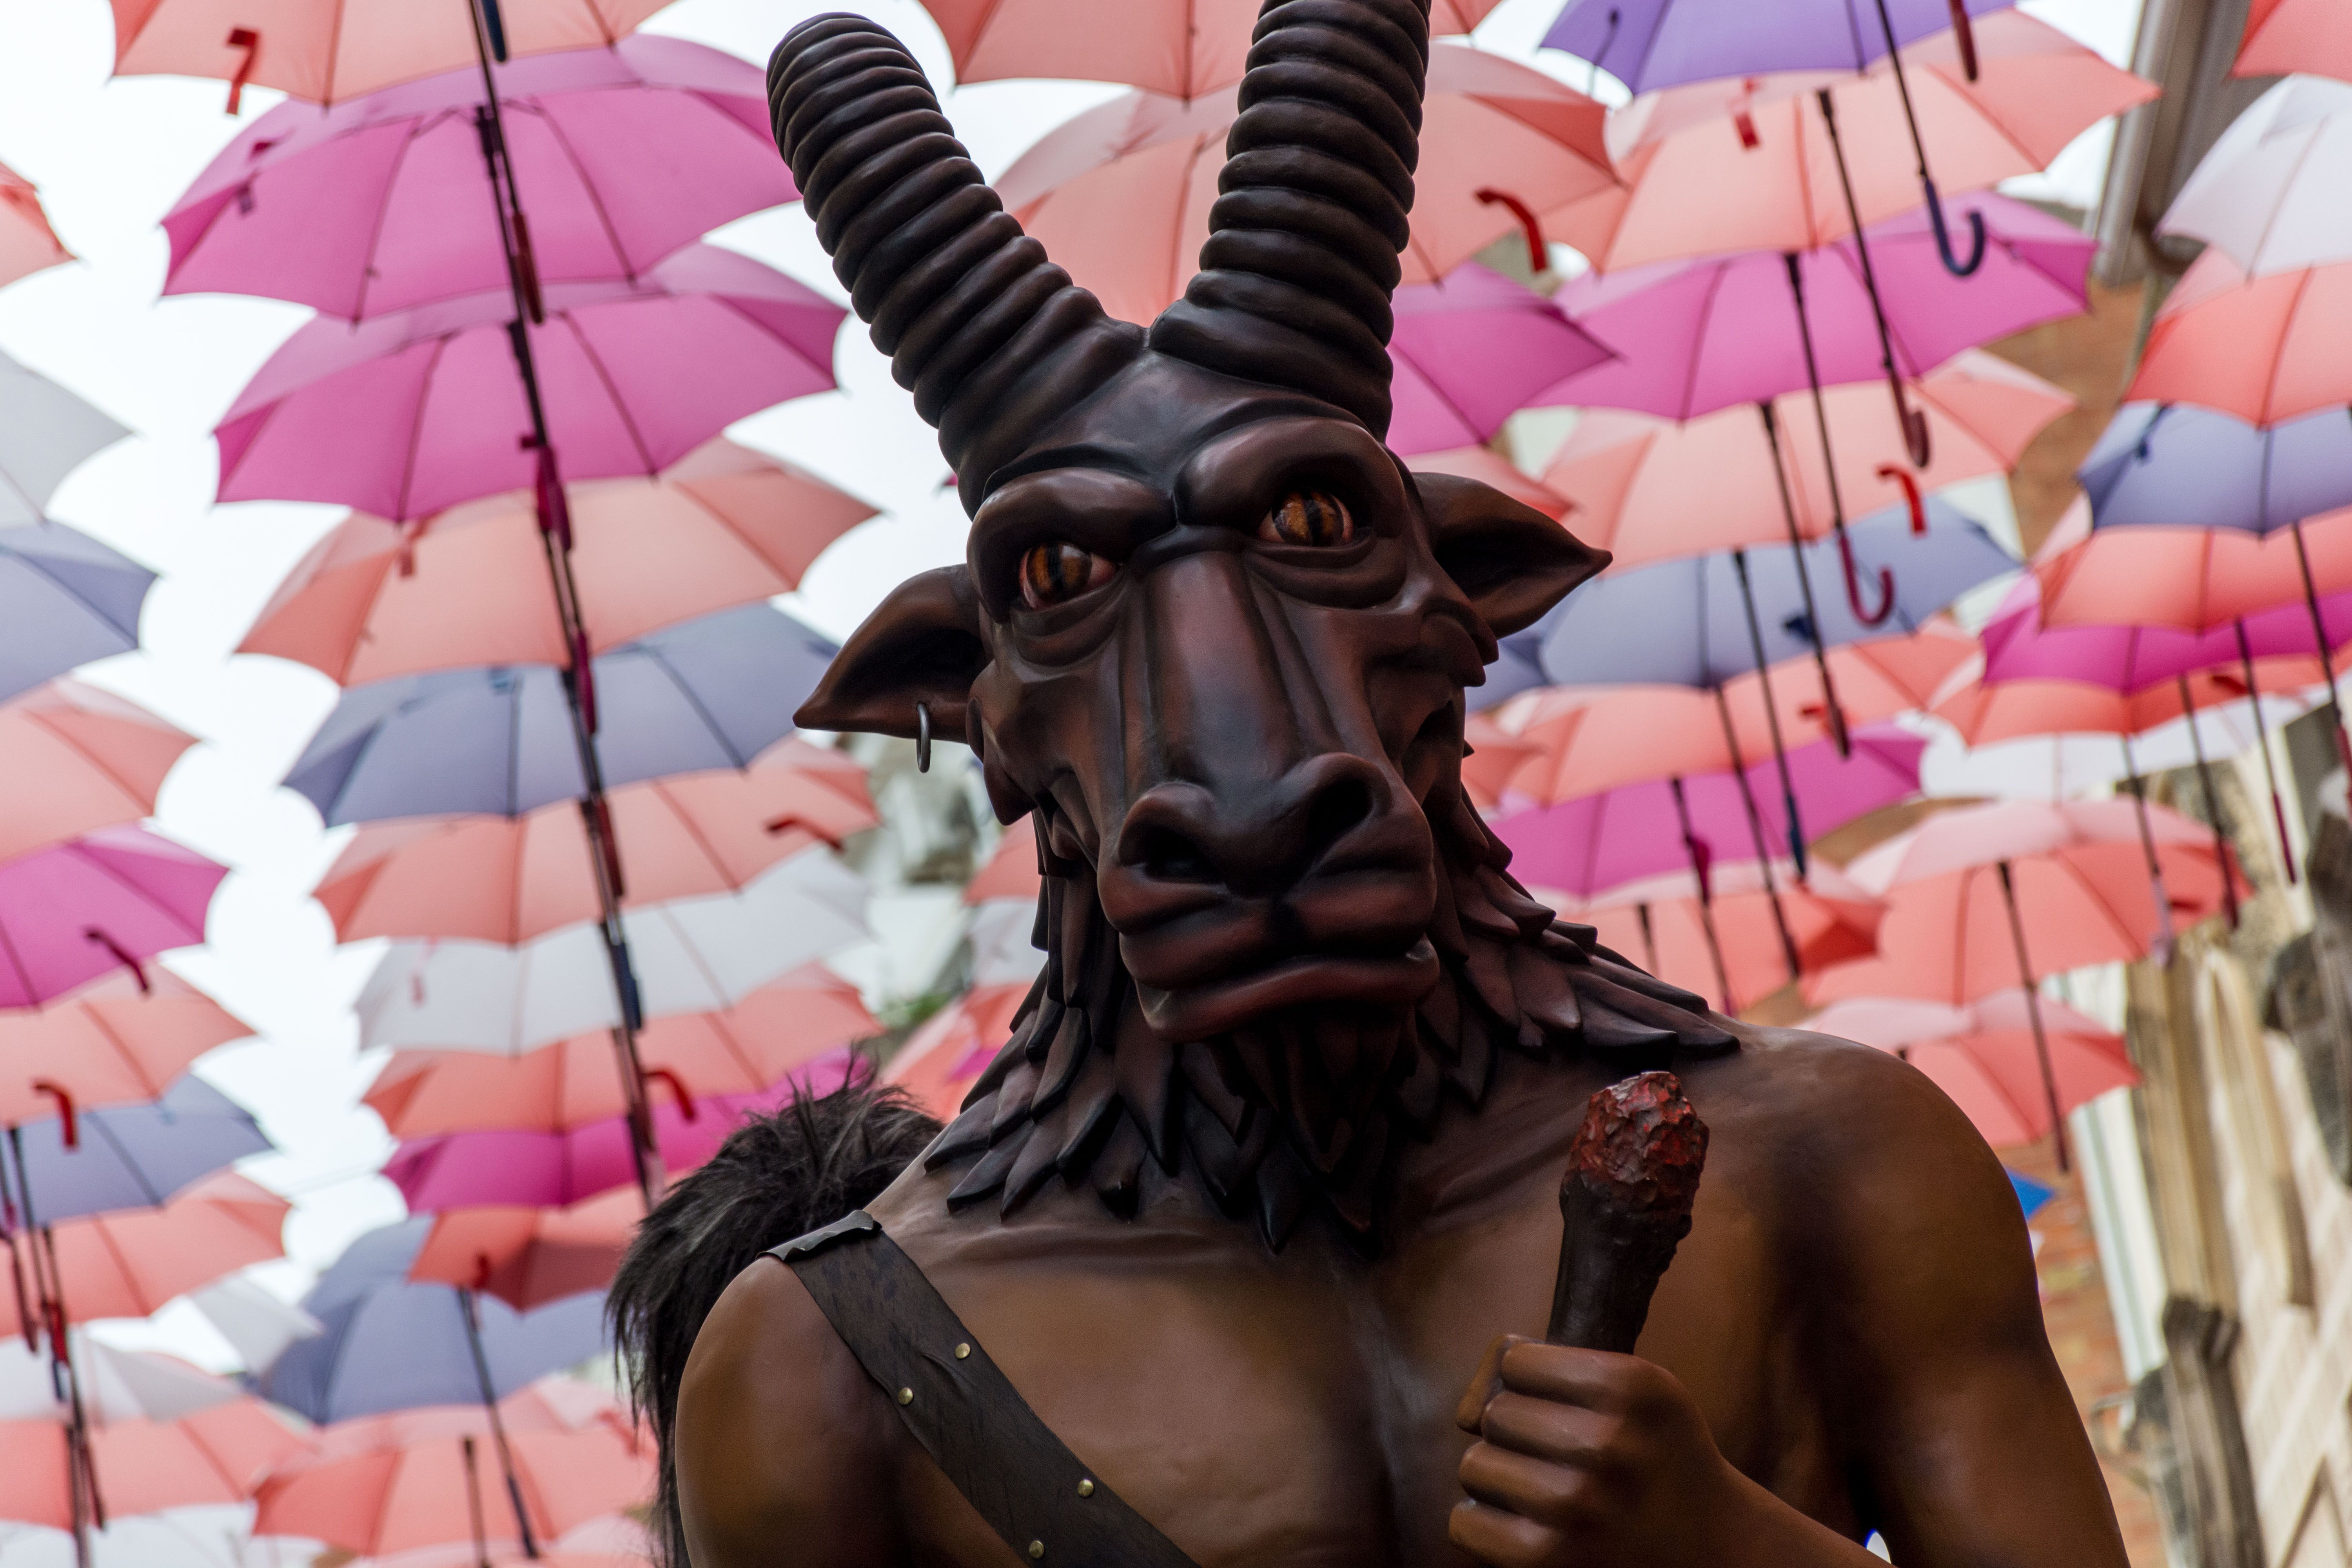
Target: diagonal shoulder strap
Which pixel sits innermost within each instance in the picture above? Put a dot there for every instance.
(973, 1422)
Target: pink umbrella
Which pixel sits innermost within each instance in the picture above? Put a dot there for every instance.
(1729, 943)
(528, 1256)
(113, 1043)
(1468, 352)
(2287, 35)
(1491, 467)
(142, 1467)
(691, 1058)
(413, 412)
(2266, 349)
(27, 243)
(1981, 1055)
(128, 1263)
(328, 50)
(1121, 194)
(2193, 578)
(943, 1059)
(380, 203)
(79, 759)
(723, 526)
(1183, 49)
(113, 898)
(1646, 489)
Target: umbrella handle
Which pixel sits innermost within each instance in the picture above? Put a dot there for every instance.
(495, 25)
(249, 40)
(70, 1124)
(1853, 586)
(1964, 33)
(1911, 496)
(676, 1086)
(1539, 257)
(1952, 263)
(1915, 430)
(122, 956)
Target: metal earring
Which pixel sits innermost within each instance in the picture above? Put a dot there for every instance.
(922, 737)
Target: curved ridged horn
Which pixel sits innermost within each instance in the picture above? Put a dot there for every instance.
(1301, 258)
(992, 339)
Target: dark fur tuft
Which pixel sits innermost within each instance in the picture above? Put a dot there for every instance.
(776, 1178)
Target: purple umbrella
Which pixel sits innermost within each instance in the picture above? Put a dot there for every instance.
(117, 896)
(416, 411)
(1649, 44)
(380, 203)
(65, 599)
(1468, 352)
(129, 1156)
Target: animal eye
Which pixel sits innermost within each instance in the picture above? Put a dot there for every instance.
(1308, 517)
(1051, 573)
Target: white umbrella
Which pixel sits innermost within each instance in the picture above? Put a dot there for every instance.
(46, 433)
(2058, 767)
(212, 1536)
(2271, 192)
(696, 955)
(255, 1322)
(116, 1385)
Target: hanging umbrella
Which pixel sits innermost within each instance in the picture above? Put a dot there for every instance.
(1183, 49)
(117, 1386)
(528, 1256)
(2056, 765)
(374, 600)
(1645, 488)
(143, 1467)
(2193, 578)
(1120, 195)
(418, 410)
(2267, 350)
(27, 243)
(116, 897)
(390, 1344)
(127, 1157)
(696, 955)
(46, 433)
(66, 599)
(380, 203)
(1653, 43)
(2265, 194)
(79, 759)
(779, 1028)
(2131, 658)
(2283, 36)
(513, 879)
(1982, 1056)
(128, 1264)
(330, 50)
(1468, 352)
(712, 693)
(943, 1059)
(111, 1043)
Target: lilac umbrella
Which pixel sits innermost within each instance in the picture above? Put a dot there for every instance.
(117, 896)
(380, 203)
(65, 599)
(1469, 351)
(710, 693)
(129, 1156)
(416, 411)
(1649, 44)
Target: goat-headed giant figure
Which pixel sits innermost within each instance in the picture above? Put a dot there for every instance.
(1272, 1155)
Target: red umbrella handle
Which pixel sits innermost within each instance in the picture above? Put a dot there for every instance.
(70, 1125)
(248, 40)
(1853, 586)
(122, 956)
(1911, 497)
(1539, 257)
(676, 1086)
(1964, 33)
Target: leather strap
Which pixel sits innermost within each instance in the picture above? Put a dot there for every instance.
(1007, 1463)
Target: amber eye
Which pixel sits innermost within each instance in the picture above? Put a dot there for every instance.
(1051, 573)
(1308, 517)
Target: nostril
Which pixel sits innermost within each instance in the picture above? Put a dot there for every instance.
(1337, 809)
(1165, 855)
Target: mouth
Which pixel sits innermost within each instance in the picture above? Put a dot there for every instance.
(1220, 1006)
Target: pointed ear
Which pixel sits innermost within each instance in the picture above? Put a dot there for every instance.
(921, 645)
(1511, 559)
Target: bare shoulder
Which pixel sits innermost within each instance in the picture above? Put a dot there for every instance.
(779, 1435)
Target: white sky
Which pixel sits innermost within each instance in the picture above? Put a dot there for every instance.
(110, 157)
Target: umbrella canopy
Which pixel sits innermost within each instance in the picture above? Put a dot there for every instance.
(1180, 48)
(528, 1256)
(46, 433)
(696, 955)
(374, 600)
(514, 879)
(79, 759)
(1468, 352)
(381, 203)
(142, 1467)
(128, 1264)
(1651, 44)
(2265, 193)
(1588, 844)
(328, 50)
(2284, 35)
(712, 693)
(2059, 764)
(415, 411)
(133, 1156)
(2131, 658)
(2165, 465)
(1120, 195)
(2193, 578)
(390, 1344)
(2267, 349)
(1646, 489)
(779, 1028)
(2014, 710)
(1696, 183)
(1695, 336)
(943, 1059)
(64, 598)
(117, 1386)
(27, 243)
(1982, 1056)
(116, 897)
(111, 1043)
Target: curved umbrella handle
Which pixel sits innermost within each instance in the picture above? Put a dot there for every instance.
(1953, 264)
(69, 1123)
(1902, 476)
(1853, 586)
(1915, 434)
(121, 955)
(1539, 257)
(249, 40)
(1964, 33)
(676, 1086)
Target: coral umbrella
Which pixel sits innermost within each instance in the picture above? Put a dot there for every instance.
(46, 433)
(143, 1467)
(508, 880)
(2193, 578)
(2265, 193)
(1645, 488)
(127, 1156)
(713, 693)
(379, 204)
(943, 1058)
(1468, 352)
(1120, 195)
(27, 243)
(2283, 36)
(528, 1256)
(111, 1043)
(330, 50)
(66, 600)
(1653, 43)
(418, 410)
(79, 759)
(2267, 349)
(696, 955)
(128, 1264)
(1981, 1055)
(116, 897)
(779, 1028)
(374, 600)
(1180, 48)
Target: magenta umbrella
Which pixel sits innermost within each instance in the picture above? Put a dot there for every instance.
(114, 898)
(1469, 351)
(419, 410)
(382, 204)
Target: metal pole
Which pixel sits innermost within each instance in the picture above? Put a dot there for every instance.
(2148, 848)
(1771, 713)
(2263, 742)
(1705, 895)
(2212, 804)
(1756, 836)
(2033, 1014)
(1804, 575)
(470, 1310)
